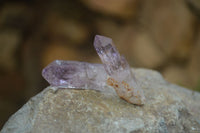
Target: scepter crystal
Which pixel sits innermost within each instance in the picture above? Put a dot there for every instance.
(114, 72)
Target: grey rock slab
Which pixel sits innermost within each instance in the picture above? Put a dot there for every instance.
(169, 108)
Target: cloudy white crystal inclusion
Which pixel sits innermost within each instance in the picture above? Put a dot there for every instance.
(115, 72)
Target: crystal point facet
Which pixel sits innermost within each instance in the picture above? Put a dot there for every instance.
(108, 53)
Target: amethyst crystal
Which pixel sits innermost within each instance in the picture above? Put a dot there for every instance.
(121, 77)
(74, 74)
(115, 72)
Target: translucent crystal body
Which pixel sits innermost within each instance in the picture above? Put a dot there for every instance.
(74, 74)
(121, 77)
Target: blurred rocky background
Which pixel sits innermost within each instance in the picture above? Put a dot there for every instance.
(159, 35)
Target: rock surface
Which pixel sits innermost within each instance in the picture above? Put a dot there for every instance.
(168, 108)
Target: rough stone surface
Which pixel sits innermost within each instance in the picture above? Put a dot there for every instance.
(168, 109)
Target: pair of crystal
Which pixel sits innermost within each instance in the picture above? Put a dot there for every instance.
(114, 72)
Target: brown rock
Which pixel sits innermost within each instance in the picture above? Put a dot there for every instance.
(108, 27)
(194, 6)
(58, 52)
(177, 75)
(194, 63)
(171, 24)
(119, 8)
(145, 52)
(16, 15)
(9, 41)
(64, 28)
